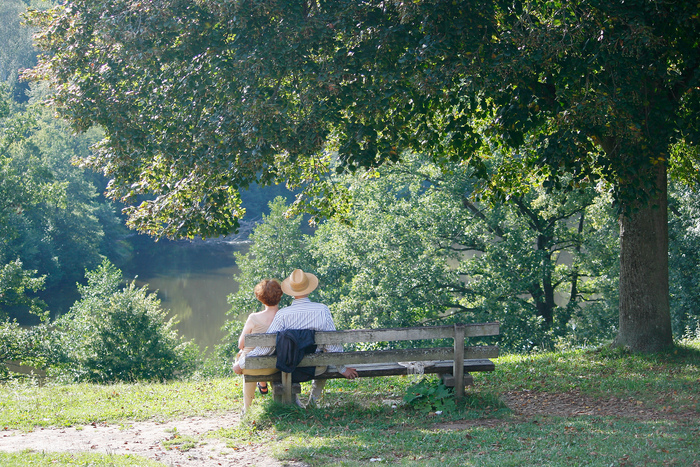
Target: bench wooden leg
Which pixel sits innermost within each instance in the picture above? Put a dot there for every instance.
(458, 369)
(286, 388)
(277, 392)
(285, 391)
(449, 380)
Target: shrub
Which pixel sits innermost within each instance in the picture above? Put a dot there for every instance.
(24, 346)
(429, 395)
(114, 334)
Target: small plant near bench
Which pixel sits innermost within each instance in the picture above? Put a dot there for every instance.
(429, 395)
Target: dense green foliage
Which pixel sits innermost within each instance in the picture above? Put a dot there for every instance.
(16, 48)
(52, 208)
(418, 250)
(54, 223)
(26, 346)
(200, 99)
(118, 334)
(414, 249)
(49, 209)
(16, 286)
(684, 260)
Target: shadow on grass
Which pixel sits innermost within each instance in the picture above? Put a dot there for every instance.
(602, 372)
(351, 434)
(343, 429)
(364, 423)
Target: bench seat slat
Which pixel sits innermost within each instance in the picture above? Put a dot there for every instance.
(377, 356)
(383, 335)
(392, 369)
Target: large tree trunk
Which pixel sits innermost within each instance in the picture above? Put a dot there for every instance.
(645, 317)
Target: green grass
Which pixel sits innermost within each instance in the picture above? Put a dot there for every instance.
(659, 380)
(364, 422)
(24, 406)
(52, 459)
(587, 441)
(358, 427)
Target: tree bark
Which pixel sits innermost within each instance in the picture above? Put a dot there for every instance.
(645, 317)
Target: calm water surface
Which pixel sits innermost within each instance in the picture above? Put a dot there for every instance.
(193, 281)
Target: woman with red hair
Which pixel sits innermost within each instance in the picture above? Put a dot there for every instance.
(269, 293)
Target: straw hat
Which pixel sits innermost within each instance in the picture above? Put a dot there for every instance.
(299, 283)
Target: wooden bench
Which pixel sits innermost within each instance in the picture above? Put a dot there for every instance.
(451, 363)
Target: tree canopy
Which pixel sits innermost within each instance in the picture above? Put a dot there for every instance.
(198, 99)
(201, 98)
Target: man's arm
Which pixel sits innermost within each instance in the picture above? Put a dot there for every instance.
(329, 325)
(349, 373)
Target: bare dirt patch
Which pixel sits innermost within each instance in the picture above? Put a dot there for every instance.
(145, 439)
(573, 403)
(527, 405)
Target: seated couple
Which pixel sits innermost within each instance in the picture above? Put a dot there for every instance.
(301, 314)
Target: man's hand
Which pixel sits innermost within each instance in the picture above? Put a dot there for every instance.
(237, 369)
(350, 373)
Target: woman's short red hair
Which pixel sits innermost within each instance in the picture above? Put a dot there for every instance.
(269, 292)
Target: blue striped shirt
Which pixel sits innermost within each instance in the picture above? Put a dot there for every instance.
(301, 314)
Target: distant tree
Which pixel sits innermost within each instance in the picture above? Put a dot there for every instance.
(684, 259)
(16, 48)
(52, 216)
(256, 199)
(16, 191)
(26, 346)
(387, 264)
(18, 289)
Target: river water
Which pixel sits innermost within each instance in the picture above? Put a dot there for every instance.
(193, 281)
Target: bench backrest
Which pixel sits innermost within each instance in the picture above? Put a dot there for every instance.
(458, 332)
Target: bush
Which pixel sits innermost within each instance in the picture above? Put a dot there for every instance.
(114, 334)
(23, 346)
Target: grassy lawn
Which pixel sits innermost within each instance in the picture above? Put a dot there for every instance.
(42, 459)
(636, 410)
(25, 406)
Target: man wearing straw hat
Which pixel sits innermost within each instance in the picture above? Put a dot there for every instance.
(304, 314)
